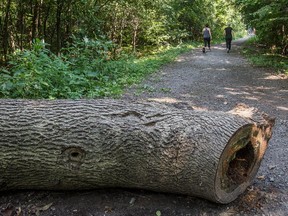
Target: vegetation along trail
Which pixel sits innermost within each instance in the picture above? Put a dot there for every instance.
(215, 80)
(63, 49)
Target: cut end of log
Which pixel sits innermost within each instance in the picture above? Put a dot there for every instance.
(240, 160)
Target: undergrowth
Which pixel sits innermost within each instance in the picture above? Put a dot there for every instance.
(87, 69)
(261, 56)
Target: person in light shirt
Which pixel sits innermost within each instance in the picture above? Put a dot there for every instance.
(207, 36)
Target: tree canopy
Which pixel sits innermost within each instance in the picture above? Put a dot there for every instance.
(127, 23)
(87, 48)
(270, 19)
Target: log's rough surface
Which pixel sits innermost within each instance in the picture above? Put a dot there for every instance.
(87, 144)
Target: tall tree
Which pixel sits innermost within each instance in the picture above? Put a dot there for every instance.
(132, 24)
(5, 29)
(270, 19)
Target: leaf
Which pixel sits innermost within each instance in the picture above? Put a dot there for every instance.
(44, 83)
(272, 167)
(46, 207)
(132, 201)
(3, 70)
(18, 211)
(108, 209)
(229, 212)
(158, 213)
(92, 74)
(7, 86)
(43, 208)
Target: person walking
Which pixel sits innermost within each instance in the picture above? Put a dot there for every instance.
(228, 34)
(207, 36)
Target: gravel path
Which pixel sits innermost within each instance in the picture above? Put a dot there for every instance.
(218, 80)
(212, 81)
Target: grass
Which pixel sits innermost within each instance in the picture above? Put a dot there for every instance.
(137, 69)
(260, 56)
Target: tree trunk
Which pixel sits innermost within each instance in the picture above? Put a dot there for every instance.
(86, 144)
(46, 16)
(135, 24)
(5, 33)
(35, 20)
(20, 24)
(60, 5)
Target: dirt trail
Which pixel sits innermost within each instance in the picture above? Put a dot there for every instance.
(218, 80)
(212, 81)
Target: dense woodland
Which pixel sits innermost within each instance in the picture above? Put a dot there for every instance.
(85, 48)
(270, 18)
(126, 23)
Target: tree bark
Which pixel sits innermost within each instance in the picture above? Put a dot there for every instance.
(88, 144)
(35, 19)
(20, 24)
(60, 5)
(5, 33)
(135, 25)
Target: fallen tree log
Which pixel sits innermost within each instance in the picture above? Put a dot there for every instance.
(88, 144)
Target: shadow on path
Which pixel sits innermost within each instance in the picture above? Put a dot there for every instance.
(218, 80)
(215, 80)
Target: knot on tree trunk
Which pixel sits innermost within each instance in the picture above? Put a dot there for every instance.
(88, 144)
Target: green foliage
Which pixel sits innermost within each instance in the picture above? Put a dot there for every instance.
(259, 55)
(270, 18)
(80, 73)
(191, 17)
(96, 48)
(158, 213)
(35, 74)
(38, 73)
(131, 25)
(87, 55)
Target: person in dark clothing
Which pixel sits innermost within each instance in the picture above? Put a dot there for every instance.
(228, 33)
(207, 36)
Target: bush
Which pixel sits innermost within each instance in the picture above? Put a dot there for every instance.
(85, 70)
(36, 73)
(260, 55)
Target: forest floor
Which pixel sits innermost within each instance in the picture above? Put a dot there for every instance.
(216, 80)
